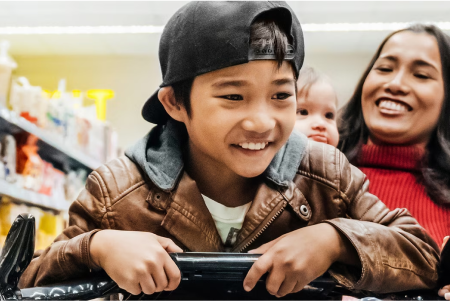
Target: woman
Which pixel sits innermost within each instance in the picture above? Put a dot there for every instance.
(396, 126)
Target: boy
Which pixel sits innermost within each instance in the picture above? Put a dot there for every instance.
(225, 112)
(316, 107)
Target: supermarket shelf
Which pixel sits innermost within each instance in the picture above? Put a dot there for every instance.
(30, 197)
(60, 151)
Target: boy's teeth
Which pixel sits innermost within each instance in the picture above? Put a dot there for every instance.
(253, 146)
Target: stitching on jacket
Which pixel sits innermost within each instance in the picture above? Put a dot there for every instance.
(114, 178)
(126, 192)
(358, 197)
(432, 276)
(103, 190)
(342, 195)
(85, 210)
(338, 169)
(81, 251)
(378, 262)
(329, 183)
(365, 212)
(193, 220)
(61, 258)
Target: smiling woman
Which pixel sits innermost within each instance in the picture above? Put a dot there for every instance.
(395, 127)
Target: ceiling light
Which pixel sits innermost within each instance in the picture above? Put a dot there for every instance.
(327, 27)
(149, 29)
(80, 30)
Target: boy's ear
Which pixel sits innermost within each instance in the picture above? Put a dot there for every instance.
(167, 98)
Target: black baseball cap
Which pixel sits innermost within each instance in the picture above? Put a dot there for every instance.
(206, 36)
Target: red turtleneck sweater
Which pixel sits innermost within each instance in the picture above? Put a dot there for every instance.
(391, 171)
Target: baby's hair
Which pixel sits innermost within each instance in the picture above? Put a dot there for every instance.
(308, 77)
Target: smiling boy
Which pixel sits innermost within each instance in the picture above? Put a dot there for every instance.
(222, 172)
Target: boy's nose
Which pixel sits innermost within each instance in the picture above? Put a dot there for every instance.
(259, 122)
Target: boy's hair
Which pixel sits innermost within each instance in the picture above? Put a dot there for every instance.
(308, 77)
(264, 32)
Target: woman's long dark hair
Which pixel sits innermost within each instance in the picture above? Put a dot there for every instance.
(435, 168)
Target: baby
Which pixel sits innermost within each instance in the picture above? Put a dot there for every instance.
(316, 107)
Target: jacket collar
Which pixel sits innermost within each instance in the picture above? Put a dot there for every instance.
(189, 221)
(160, 155)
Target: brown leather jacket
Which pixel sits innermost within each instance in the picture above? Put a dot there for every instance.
(395, 252)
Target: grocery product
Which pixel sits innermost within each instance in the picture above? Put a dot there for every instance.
(9, 154)
(7, 64)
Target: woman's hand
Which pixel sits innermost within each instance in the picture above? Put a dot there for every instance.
(445, 291)
(136, 261)
(297, 258)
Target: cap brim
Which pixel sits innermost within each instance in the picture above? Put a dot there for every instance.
(153, 111)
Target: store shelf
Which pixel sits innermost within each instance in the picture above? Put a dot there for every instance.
(30, 197)
(60, 151)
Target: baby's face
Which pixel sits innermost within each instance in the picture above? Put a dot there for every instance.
(316, 114)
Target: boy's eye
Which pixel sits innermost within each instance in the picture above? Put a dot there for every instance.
(329, 115)
(302, 112)
(282, 96)
(421, 76)
(233, 97)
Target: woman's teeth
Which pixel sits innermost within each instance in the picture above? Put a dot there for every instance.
(253, 146)
(391, 105)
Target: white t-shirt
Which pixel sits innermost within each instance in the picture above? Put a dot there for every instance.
(228, 219)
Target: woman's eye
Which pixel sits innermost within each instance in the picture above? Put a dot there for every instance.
(282, 95)
(329, 115)
(233, 97)
(302, 112)
(384, 69)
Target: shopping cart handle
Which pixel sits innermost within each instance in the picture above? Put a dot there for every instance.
(218, 273)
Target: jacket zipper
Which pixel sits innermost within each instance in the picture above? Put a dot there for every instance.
(265, 227)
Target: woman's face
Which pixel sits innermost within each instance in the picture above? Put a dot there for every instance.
(403, 94)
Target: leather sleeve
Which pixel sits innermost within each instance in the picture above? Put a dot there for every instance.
(68, 256)
(395, 251)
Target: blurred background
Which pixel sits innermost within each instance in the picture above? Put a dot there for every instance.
(65, 57)
(128, 62)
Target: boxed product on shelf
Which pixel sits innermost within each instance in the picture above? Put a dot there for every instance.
(35, 174)
(9, 158)
(48, 224)
(7, 65)
(63, 114)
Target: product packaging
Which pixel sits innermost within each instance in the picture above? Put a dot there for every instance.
(7, 65)
(8, 154)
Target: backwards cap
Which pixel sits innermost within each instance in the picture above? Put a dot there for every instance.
(206, 36)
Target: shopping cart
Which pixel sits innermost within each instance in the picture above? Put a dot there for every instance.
(204, 276)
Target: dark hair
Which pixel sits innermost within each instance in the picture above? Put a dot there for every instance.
(435, 166)
(264, 31)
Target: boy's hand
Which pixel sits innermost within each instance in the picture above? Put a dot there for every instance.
(136, 261)
(297, 258)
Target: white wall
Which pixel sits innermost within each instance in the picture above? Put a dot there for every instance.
(135, 78)
(343, 69)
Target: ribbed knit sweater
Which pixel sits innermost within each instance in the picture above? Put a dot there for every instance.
(392, 172)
